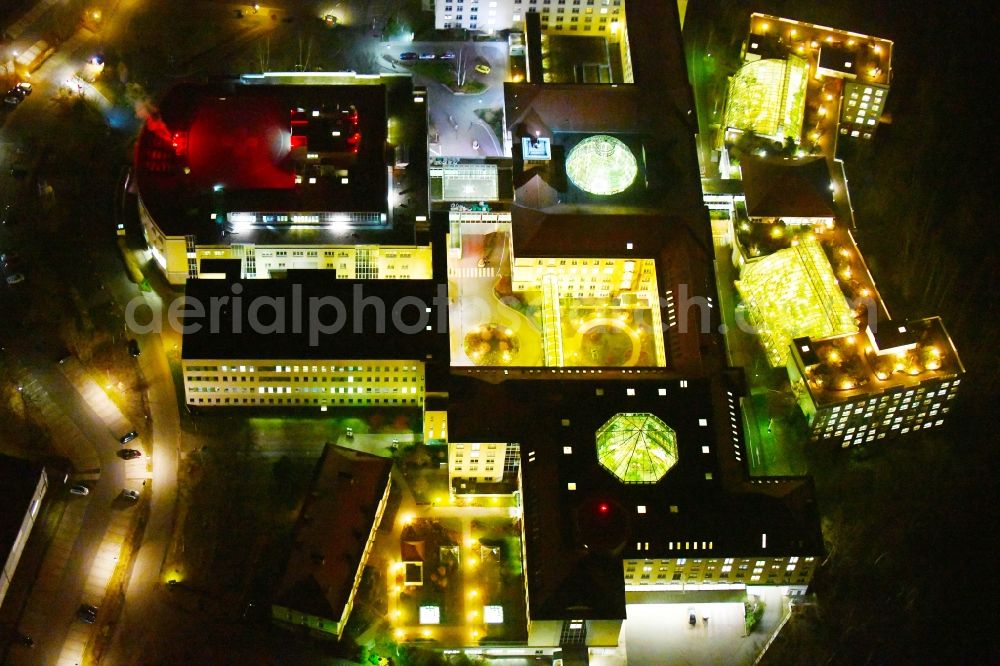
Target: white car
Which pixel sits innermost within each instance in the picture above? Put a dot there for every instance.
(132, 495)
(79, 489)
(15, 278)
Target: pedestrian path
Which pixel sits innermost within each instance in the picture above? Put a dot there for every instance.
(95, 397)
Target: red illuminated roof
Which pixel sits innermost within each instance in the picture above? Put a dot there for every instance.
(241, 145)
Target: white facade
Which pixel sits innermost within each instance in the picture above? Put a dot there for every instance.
(588, 17)
(300, 383)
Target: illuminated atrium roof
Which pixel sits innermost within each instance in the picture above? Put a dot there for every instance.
(768, 97)
(637, 448)
(793, 293)
(601, 165)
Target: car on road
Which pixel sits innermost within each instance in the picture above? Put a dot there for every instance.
(483, 68)
(408, 55)
(692, 617)
(15, 278)
(447, 55)
(133, 347)
(12, 98)
(79, 489)
(87, 613)
(128, 437)
(475, 145)
(427, 56)
(24, 87)
(131, 495)
(129, 454)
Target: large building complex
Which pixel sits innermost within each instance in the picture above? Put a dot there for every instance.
(281, 172)
(799, 78)
(22, 489)
(630, 487)
(333, 541)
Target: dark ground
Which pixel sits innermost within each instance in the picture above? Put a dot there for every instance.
(910, 525)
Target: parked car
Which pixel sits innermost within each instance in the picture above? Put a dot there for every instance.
(427, 56)
(692, 617)
(132, 495)
(408, 55)
(129, 454)
(15, 278)
(447, 55)
(128, 437)
(133, 347)
(87, 613)
(12, 98)
(79, 489)
(483, 68)
(24, 87)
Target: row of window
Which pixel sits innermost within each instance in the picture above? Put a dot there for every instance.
(303, 401)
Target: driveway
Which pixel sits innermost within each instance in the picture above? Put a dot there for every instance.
(452, 117)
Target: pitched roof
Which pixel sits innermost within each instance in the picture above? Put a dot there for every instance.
(784, 187)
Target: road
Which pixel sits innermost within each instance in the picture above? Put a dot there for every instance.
(84, 553)
(453, 116)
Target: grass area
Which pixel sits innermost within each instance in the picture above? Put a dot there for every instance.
(494, 119)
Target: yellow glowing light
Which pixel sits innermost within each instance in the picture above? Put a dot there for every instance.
(877, 49)
(473, 593)
(472, 562)
(847, 384)
(851, 339)
(470, 542)
(406, 518)
(426, 633)
(475, 633)
(813, 43)
(833, 356)
(828, 97)
(473, 615)
(765, 26)
(399, 634)
(776, 232)
(865, 291)
(822, 111)
(396, 589)
(792, 32)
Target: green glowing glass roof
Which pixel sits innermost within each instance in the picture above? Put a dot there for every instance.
(768, 97)
(601, 165)
(637, 448)
(793, 293)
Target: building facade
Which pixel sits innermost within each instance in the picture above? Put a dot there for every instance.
(859, 389)
(585, 17)
(303, 382)
(22, 489)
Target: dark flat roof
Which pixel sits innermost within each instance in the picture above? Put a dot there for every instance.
(18, 480)
(336, 520)
(361, 336)
(574, 548)
(660, 137)
(238, 136)
(784, 187)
